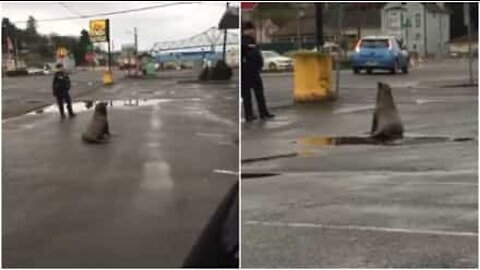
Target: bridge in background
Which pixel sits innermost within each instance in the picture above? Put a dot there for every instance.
(206, 45)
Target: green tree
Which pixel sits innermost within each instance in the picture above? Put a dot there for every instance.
(44, 48)
(66, 42)
(279, 13)
(31, 26)
(10, 30)
(81, 47)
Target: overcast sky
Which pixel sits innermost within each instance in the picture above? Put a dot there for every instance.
(161, 24)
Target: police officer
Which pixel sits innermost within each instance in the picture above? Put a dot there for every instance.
(61, 87)
(252, 63)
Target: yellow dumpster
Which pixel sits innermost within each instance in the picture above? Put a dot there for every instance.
(312, 76)
(107, 77)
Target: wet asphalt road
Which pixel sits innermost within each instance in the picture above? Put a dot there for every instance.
(449, 71)
(22, 94)
(139, 201)
(364, 206)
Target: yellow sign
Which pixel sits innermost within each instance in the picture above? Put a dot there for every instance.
(99, 30)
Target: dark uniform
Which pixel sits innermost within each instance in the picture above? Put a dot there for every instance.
(252, 63)
(61, 87)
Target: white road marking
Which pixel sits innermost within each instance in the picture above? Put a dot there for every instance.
(386, 173)
(361, 228)
(353, 109)
(10, 87)
(19, 125)
(217, 136)
(426, 101)
(156, 176)
(156, 173)
(225, 172)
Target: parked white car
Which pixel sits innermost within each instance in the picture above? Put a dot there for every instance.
(274, 61)
(40, 70)
(37, 71)
(335, 51)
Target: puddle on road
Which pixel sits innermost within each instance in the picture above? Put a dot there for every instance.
(86, 105)
(267, 158)
(324, 141)
(358, 140)
(462, 85)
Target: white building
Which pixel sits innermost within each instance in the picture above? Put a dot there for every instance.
(423, 27)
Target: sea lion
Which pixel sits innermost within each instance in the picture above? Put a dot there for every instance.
(97, 130)
(387, 124)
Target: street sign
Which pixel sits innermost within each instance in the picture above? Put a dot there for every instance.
(99, 30)
(248, 6)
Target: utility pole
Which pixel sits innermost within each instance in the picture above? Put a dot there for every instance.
(135, 38)
(339, 42)
(425, 50)
(113, 52)
(15, 56)
(440, 42)
(107, 22)
(319, 26)
(224, 52)
(260, 40)
(109, 57)
(468, 23)
(299, 16)
(407, 25)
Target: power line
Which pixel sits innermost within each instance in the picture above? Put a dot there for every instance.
(70, 9)
(111, 13)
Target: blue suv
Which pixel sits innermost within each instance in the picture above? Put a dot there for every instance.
(383, 53)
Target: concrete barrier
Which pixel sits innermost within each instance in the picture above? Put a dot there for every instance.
(312, 77)
(107, 78)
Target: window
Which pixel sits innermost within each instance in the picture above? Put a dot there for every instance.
(418, 22)
(393, 19)
(269, 54)
(374, 43)
(282, 39)
(309, 39)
